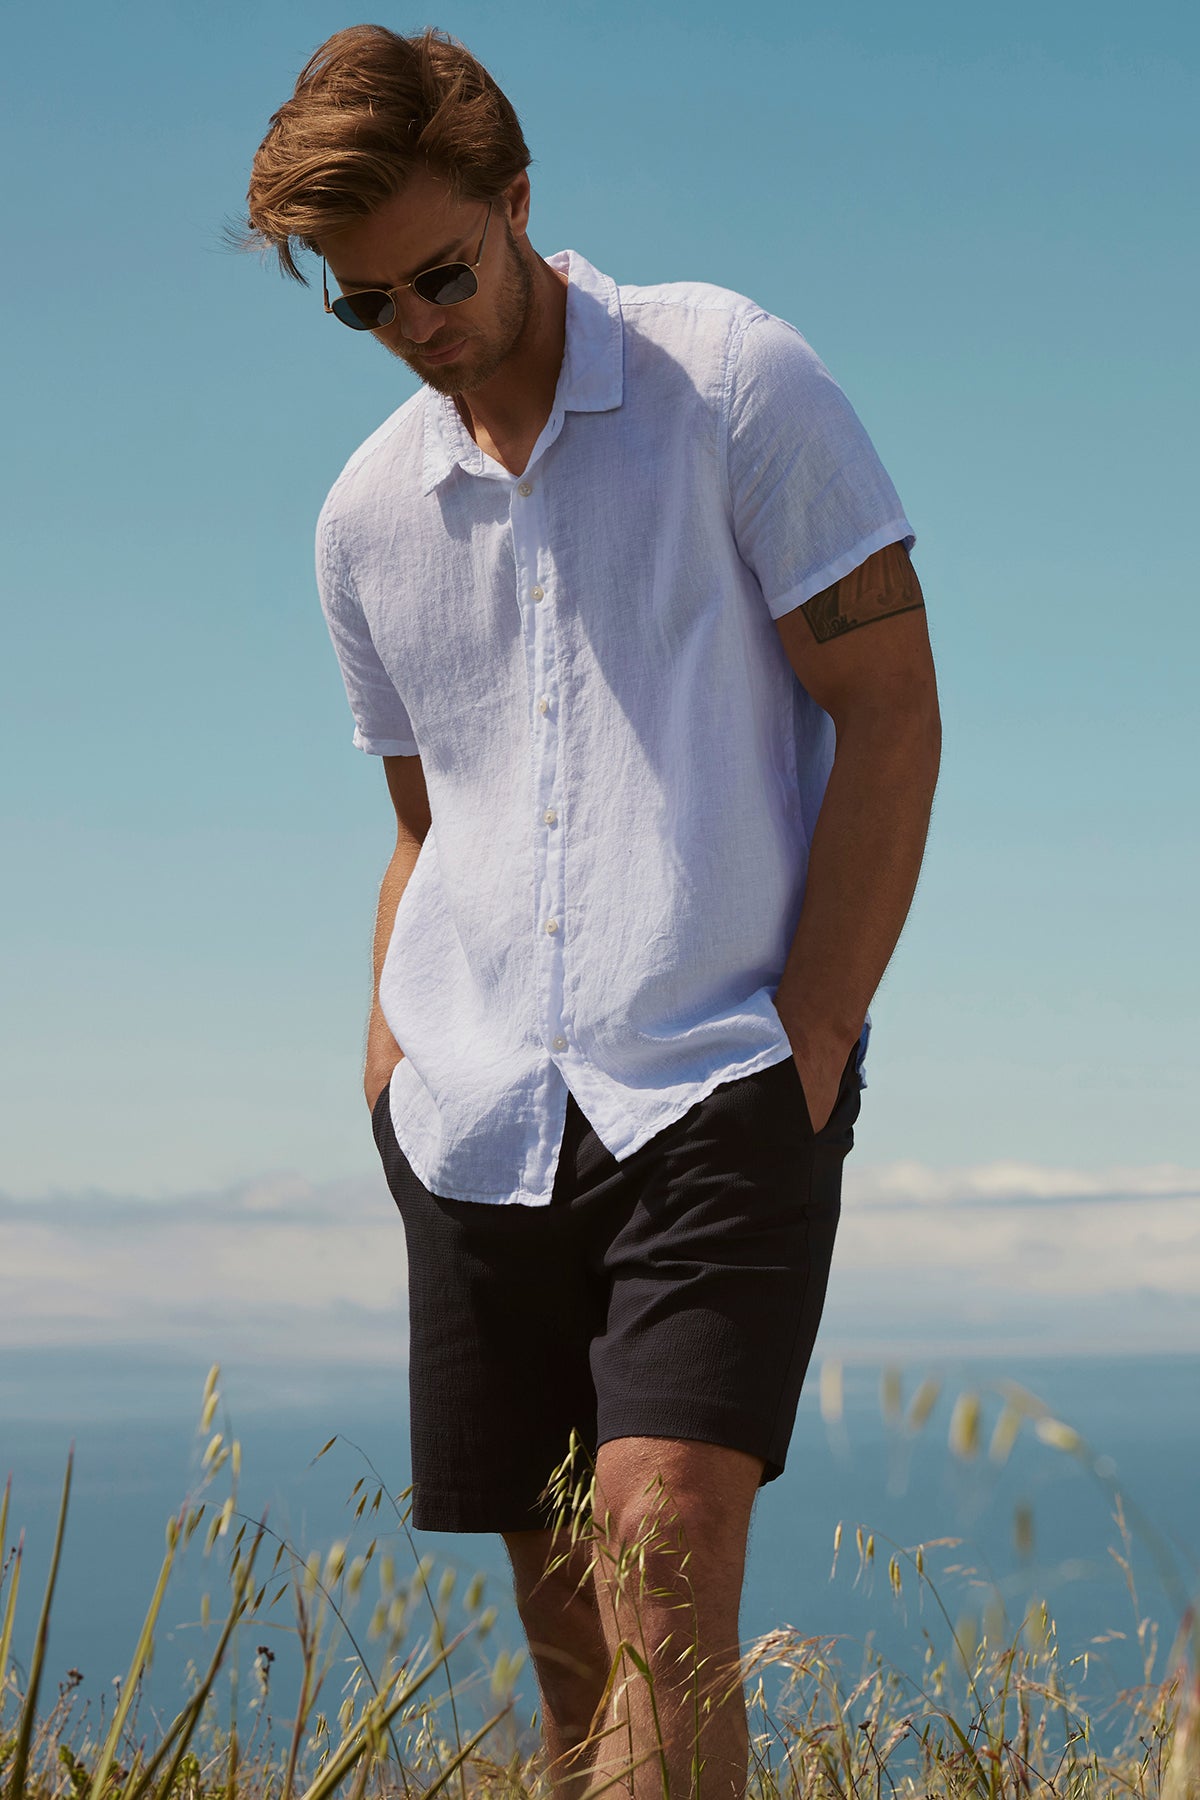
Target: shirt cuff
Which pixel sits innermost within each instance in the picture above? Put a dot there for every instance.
(382, 746)
(899, 531)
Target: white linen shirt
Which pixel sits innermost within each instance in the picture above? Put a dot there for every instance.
(623, 771)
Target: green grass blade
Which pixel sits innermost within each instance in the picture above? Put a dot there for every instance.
(10, 1605)
(341, 1765)
(104, 1761)
(967, 1747)
(180, 1734)
(461, 1755)
(378, 1719)
(4, 1517)
(20, 1762)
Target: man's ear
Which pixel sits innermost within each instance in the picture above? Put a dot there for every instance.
(516, 202)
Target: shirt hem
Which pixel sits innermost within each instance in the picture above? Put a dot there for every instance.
(523, 1196)
(767, 1060)
(520, 1197)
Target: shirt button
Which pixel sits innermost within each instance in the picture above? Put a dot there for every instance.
(538, 593)
(543, 705)
(551, 927)
(550, 816)
(525, 489)
(560, 1043)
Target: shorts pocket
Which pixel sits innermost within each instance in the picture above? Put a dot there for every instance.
(847, 1097)
(798, 1088)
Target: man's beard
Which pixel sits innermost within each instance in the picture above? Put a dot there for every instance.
(479, 361)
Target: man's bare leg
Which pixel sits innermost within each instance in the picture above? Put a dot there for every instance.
(560, 1610)
(672, 1518)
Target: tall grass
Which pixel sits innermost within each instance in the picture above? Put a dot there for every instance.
(995, 1708)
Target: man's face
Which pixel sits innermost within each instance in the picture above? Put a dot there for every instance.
(451, 348)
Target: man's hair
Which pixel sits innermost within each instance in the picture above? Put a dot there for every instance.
(370, 108)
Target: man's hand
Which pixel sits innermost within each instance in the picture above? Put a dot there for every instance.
(820, 1062)
(374, 1082)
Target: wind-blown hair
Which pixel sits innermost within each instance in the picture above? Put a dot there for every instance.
(369, 108)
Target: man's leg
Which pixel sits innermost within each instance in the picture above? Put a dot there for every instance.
(672, 1518)
(560, 1610)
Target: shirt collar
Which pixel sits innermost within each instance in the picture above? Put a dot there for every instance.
(591, 378)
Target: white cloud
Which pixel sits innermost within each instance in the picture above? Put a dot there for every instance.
(1018, 1256)
(998, 1256)
(277, 1265)
(916, 1183)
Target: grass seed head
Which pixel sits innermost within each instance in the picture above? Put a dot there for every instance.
(1004, 1436)
(891, 1394)
(832, 1392)
(923, 1403)
(1059, 1436)
(964, 1426)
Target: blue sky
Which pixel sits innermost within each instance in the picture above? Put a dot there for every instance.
(982, 220)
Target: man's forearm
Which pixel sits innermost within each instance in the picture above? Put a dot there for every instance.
(863, 867)
(383, 1052)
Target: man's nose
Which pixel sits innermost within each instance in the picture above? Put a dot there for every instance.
(418, 319)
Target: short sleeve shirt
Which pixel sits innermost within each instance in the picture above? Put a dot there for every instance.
(623, 771)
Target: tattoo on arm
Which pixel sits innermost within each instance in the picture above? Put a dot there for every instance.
(886, 583)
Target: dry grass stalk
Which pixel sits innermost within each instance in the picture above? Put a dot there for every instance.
(1001, 1714)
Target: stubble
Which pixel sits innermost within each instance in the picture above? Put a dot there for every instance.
(483, 357)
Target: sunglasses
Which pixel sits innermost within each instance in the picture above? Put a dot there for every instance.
(447, 285)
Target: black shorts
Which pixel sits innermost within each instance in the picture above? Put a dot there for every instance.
(676, 1294)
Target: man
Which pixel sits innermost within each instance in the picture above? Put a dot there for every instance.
(604, 594)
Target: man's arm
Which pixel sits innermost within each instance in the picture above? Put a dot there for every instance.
(861, 649)
(406, 784)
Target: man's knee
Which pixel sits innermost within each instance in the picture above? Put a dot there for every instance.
(673, 1497)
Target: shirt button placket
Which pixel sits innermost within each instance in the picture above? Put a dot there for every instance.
(535, 585)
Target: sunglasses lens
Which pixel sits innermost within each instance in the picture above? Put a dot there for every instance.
(447, 286)
(366, 311)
